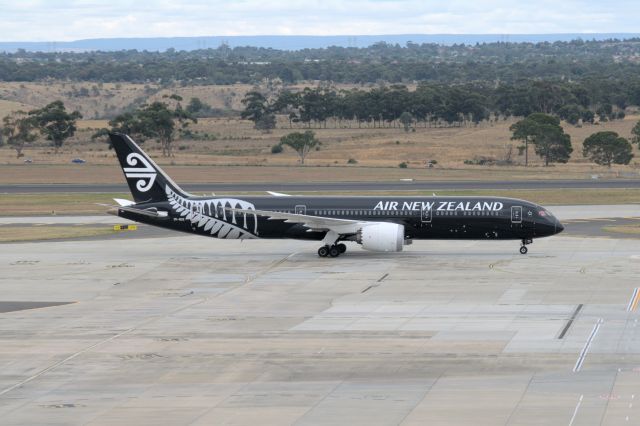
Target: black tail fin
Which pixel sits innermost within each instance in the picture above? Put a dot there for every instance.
(147, 182)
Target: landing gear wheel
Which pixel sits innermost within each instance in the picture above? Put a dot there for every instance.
(334, 251)
(323, 251)
(524, 250)
(342, 247)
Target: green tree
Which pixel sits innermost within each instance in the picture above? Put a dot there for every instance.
(530, 128)
(55, 123)
(605, 148)
(302, 143)
(636, 133)
(407, 120)
(18, 128)
(128, 123)
(195, 106)
(266, 123)
(198, 108)
(552, 144)
(158, 121)
(255, 106)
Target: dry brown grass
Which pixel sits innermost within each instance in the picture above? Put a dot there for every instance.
(7, 107)
(111, 98)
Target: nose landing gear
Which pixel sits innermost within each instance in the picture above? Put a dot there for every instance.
(523, 247)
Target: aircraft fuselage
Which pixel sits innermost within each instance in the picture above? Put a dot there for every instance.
(434, 217)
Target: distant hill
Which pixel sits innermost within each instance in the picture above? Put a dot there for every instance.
(292, 42)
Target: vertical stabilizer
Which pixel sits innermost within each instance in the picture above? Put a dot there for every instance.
(147, 182)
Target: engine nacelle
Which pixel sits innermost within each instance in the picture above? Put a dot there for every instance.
(381, 236)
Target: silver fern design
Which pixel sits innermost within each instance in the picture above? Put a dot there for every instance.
(142, 170)
(213, 217)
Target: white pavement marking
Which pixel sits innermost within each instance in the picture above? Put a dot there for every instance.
(587, 345)
(633, 302)
(575, 412)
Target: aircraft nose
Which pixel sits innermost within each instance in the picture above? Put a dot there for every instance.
(559, 227)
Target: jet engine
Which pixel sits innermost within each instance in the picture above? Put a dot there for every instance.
(381, 236)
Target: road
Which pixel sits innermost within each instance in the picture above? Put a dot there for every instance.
(341, 186)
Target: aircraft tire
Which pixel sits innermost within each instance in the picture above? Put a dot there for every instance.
(342, 247)
(334, 251)
(323, 251)
(524, 250)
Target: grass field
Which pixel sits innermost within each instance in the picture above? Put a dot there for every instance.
(623, 229)
(79, 203)
(9, 234)
(246, 157)
(54, 204)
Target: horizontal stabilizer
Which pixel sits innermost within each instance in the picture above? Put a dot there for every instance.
(124, 203)
(152, 212)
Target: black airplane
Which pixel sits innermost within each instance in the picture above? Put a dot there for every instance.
(381, 224)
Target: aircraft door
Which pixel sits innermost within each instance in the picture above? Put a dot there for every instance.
(516, 214)
(426, 216)
(301, 209)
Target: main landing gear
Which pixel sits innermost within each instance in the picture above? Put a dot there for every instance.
(334, 250)
(523, 247)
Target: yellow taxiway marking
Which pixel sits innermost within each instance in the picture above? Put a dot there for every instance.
(125, 227)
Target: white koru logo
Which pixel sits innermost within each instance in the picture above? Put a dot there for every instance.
(141, 170)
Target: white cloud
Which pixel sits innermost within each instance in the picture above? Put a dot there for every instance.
(77, 19)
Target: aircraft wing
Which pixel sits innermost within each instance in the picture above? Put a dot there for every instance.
(314, 223)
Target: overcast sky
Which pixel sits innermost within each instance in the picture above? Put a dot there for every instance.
(32, 20)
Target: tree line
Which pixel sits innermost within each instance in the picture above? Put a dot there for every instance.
(432, 105)
(488, 62)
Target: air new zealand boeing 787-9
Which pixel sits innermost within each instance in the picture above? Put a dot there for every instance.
(382, 224)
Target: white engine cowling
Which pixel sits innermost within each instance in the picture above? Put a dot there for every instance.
(382, 236)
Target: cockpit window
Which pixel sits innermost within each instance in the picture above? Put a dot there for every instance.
(545, 213)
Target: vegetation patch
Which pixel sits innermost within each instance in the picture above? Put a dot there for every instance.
(37, 204)
(10, 234)
(623, 229)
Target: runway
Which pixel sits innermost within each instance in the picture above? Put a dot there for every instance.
(411, 185)
(190, 330)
